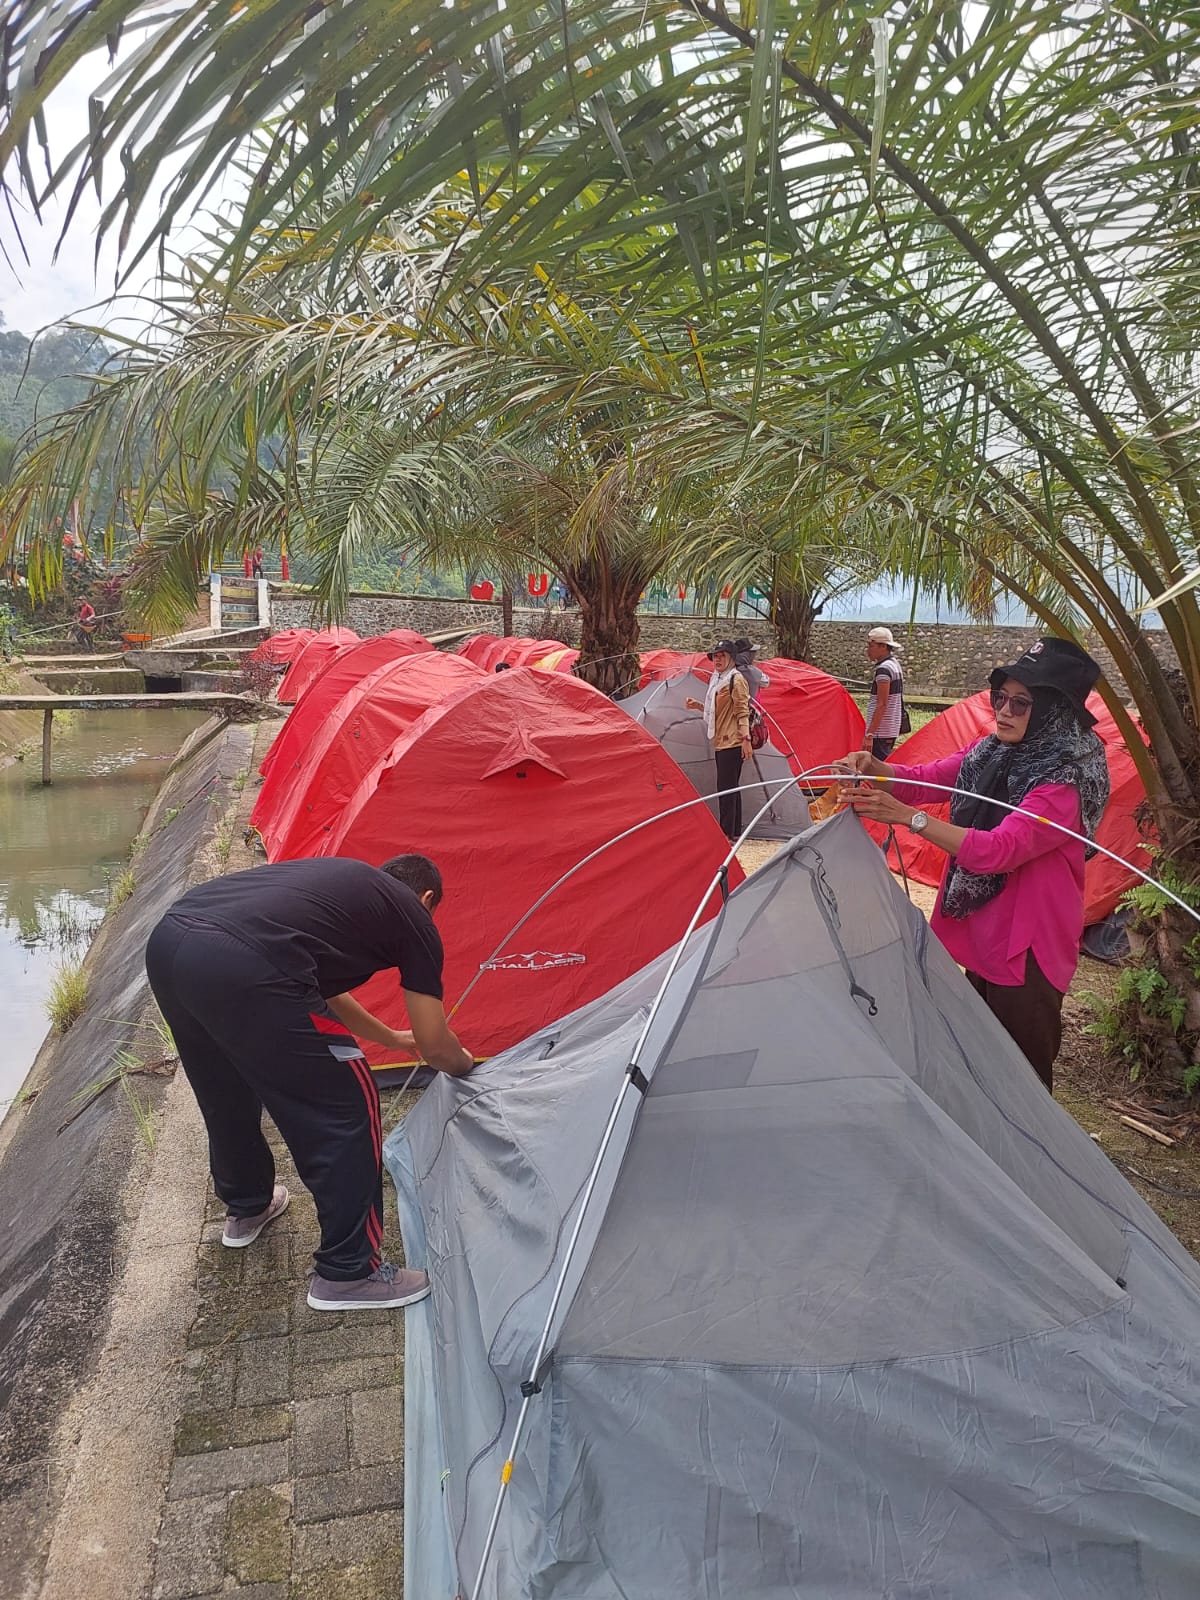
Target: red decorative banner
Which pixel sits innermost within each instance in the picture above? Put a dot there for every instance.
(483, 590)
(539, 584)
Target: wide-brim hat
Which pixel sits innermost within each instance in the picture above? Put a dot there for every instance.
(722, 644)
(1058, 664)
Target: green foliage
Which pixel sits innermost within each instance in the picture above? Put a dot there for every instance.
(1145, 1021)
(68, 996)
(120, 887)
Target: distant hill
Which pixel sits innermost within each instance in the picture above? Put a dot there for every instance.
(40, 378)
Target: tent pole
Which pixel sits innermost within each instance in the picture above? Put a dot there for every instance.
(633, 1076)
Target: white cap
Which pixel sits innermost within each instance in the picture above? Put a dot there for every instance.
(883, 636)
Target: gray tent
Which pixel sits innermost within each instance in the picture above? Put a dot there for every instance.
(662, 710)
(856, 1310)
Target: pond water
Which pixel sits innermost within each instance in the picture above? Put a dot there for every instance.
(59, 849)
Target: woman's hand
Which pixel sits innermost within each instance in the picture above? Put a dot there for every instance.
(694, 705)
(875, 802)
(857, 761)
(747, 749)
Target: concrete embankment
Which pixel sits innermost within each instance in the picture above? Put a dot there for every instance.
(74, 1163)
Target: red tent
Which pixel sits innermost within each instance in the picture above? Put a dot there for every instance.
(961, 725)
(295, 818)
(486, 650)
(310, 661)
(282, 647)
(308, 725)
(810, 716)
(507, 781)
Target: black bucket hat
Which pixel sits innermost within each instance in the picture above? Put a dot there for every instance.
(1058, 664)
(723, 644)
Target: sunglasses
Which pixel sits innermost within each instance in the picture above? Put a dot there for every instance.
(1018, 704)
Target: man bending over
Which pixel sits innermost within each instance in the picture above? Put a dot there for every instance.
(252, 973)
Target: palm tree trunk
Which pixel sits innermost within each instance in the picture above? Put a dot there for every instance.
(794, 609)
(607, 598)
(506, 610)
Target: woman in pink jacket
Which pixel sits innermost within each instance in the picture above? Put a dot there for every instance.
(1010, 906)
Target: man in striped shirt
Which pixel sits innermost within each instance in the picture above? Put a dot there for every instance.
(886, 705)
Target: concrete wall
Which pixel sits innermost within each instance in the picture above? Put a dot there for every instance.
(71, 1167)
(945, 658)
(939, 658)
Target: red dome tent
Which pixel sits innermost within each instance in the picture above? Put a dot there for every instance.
(961, 725)
(282, 647)
(487, 650)
(297, 815)
(307, 724)
(810, 716)
(312, 660)
(507, 782)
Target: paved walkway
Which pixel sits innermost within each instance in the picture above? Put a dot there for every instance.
(286, 1482)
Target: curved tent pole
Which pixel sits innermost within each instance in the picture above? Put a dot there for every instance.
(633, 1077)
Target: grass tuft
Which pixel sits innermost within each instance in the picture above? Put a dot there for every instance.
(120, 888)
(67, 997)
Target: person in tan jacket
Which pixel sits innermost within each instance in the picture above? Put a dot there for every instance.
(726, 708)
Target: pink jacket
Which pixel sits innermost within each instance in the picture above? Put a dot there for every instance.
(1040, 907)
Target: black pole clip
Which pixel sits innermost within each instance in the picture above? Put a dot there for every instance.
(637, 1077)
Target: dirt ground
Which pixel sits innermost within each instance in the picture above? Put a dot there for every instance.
(1087, 1079)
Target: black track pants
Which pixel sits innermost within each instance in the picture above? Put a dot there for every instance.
(1032, 1014)
(729, 775)
(248, 1037)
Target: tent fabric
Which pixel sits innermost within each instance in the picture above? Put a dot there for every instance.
(857, 1310)
(1105, 881)
(662, 710)
(487, 650)
(431, 747)
(310, 661)
(811, 716)
(308, 727)
(297, 817)
(283, 647)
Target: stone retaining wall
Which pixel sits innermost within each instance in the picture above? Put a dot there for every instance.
(945, 658)
(940, 658)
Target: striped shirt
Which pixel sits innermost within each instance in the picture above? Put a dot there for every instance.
(890, 670)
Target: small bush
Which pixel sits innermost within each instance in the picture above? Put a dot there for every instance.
(67, 997)
(120, 888)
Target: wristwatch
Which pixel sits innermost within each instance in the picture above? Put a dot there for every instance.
(918, 822)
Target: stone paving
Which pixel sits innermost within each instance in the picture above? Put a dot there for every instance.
(287, 1479)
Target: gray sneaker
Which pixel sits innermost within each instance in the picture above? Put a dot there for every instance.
(241, 1231)
(388, 1286)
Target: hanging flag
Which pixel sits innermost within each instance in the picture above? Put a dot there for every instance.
(246, 563)
(727, 591)
(681, 592)
(285, 572)
(539, 584)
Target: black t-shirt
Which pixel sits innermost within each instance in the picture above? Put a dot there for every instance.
(331, 922)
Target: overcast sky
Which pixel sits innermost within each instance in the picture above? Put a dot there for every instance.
(45, 289)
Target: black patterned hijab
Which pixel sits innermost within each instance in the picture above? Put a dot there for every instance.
(1056, 748)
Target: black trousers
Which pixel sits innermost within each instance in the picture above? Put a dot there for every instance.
(1031, 1012)
(729, 774)
(881, 749)
(248, 1037)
